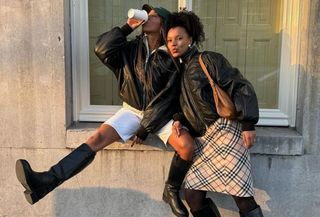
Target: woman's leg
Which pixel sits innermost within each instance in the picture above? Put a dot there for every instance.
(39, 184)
(201, 206)
(103, 137)
(121, 125)
(195, 199)
(183, 144)
(248, 207)
(179, 167)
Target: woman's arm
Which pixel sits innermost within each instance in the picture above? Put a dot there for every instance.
(109, 46)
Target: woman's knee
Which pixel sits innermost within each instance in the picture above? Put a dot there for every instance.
(95, 140)
(187, 146)
(184, 142)
(103, 137)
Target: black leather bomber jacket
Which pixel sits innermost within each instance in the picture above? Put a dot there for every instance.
(196, 97)
(120, 56)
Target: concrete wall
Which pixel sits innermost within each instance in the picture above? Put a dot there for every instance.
(35, 98)
(308, 109)
(32, 74)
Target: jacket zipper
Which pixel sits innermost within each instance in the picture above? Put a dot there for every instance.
(145, 71)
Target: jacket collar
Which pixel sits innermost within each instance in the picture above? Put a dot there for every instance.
(146, 44)
(189, 54)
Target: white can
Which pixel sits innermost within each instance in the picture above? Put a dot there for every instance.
(138, 14)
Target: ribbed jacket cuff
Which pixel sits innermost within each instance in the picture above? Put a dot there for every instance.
(247, 126)
(126, 29)
(180, 117)
(142, 133)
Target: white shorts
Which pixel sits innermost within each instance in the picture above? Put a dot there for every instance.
(127, 121)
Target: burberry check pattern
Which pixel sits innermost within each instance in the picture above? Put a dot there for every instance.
(221, 163)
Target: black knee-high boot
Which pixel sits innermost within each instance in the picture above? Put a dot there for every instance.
(209, 210)
(257, 212)
(39, 184)
(178, 170)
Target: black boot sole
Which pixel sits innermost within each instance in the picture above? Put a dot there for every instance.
(31, 197)
(21, 176)
(166, 200)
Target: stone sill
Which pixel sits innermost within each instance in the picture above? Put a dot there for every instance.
(270, 140)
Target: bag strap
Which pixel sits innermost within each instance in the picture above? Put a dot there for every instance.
(205, 70)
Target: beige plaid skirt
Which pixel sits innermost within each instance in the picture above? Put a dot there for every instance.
(220, 162)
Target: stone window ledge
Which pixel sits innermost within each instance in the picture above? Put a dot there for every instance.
(270, 140)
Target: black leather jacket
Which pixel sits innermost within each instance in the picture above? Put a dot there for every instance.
(196, 97)
(160, 103)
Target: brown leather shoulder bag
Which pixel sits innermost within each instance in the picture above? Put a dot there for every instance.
(224, 105)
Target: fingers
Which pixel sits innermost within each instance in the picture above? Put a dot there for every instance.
(139, 141)
(136, 140)
(177, 126)
(248, 144)
(249, 138)
(133, 143)
(245, 141)
(177, 131)
(133, 23)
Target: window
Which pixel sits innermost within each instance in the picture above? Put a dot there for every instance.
(259, 37)
(95, 87)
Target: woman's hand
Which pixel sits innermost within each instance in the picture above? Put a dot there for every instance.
(133, 23)
(136, 140)
(176, 127)
(249, 138)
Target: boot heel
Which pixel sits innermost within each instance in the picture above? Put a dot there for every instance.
(31, 197)
(171, 197)
(165, 198)
(21, 175)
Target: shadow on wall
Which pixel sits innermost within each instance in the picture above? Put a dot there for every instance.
(228, 207)
(120, 202)
(104, 202)
(262, 180)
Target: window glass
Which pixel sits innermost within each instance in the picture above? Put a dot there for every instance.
(247, 34)
(103, 15)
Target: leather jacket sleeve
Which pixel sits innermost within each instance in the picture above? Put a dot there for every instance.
(240, 89)
(110, 46)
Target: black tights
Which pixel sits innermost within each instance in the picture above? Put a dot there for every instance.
(196, 198)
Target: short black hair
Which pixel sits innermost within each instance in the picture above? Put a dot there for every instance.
(190, 22)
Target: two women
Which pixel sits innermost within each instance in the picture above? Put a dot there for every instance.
(147, 78)
(221, 161)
